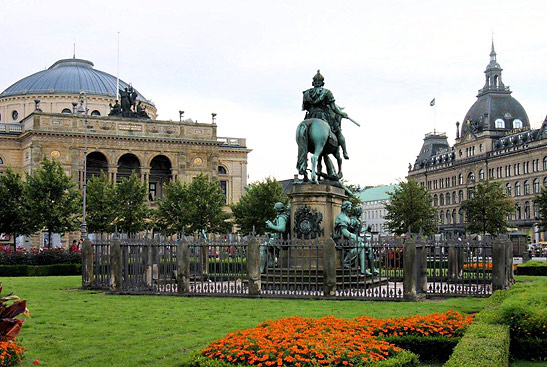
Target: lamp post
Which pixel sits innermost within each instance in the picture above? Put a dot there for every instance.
(84, 110)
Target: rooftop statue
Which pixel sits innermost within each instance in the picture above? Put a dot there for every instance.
(320, 133)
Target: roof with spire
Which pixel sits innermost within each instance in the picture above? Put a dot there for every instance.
(495, 108)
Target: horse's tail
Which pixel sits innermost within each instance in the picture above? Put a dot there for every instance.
(302, 141)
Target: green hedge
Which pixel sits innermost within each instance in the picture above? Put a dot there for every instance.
(532, 267)
(401, 359)
(483, 345)
(428, 348)
(40, 270)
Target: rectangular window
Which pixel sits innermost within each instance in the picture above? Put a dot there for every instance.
(152, 191)
(224, 187)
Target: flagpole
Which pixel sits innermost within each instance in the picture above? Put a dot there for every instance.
(118, 71)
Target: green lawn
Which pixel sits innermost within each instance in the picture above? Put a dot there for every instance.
(70, 327)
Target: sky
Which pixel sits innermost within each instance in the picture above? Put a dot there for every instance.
(249, 61)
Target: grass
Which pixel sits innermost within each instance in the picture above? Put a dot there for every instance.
(70, 327)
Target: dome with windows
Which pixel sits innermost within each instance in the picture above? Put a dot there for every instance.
(494, 109)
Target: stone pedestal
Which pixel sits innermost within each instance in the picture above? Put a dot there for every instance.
(326, 199)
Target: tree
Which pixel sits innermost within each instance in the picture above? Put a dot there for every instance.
(14, 218)
(409, 209)
(193, 207)
(487, 209)
(131, 207)
(541, 202)
(100, 204)
(256, 206)
(54, 201)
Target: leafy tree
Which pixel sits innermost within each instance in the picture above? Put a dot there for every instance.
(100, 204)
(488, 209)
(131, 207)
(14, 218)
(410, 208)
(54, 201)
(193, 207)
(541, 201)
(256, 206)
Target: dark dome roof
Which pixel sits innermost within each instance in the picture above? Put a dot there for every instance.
(490, 107)
(68, 76)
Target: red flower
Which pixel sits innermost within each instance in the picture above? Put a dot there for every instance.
(36, 361)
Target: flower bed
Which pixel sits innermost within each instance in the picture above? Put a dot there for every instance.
(11, 353)
(306, 342)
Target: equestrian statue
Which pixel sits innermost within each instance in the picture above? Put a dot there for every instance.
(320, 133)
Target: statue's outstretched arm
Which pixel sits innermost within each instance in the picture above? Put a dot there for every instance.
(281, 225)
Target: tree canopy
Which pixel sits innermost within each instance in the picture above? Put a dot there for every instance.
(256, 206)
(131, 207)
(100, 204)
(54, 201)
(14, 216)
(409, 209)
(541, 202)
(487, 209)
(193, 207)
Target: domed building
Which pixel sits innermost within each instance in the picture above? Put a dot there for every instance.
(59, 86)
(72, 107)
(495, 142)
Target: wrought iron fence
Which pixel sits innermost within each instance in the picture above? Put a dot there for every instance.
(233, 266)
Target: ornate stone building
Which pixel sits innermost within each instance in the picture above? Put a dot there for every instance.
(495, 142)
(44, 115)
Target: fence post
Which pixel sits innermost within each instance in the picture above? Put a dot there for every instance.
(453, 261)
(115, 266)
(253, 266)
(508, 261)
(499, 277)
(409, 269)
(87, 264)
(329, 267)
(183, 267)
(421, 270)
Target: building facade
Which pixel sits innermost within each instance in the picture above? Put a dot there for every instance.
(374, 200)
(495, 142)
(43, 115)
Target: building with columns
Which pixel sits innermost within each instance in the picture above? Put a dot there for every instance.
(495, 142)
(44, 115)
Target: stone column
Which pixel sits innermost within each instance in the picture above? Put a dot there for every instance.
(409, 270)
(329, 267)
(87, 264)
(509, 272)
(253, 267)
(183, 267)
(421, 258)
(115, 267)
(499, 277)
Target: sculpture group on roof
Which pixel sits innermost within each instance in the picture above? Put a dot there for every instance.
(129, 106)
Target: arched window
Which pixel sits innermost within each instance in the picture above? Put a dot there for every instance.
(545, 163)
(95, 113)
(454, 216)
(471, 177)
(518, 214)
(460, 196)
(435, 200)
(1, 161)
(66, 111)
(527, 210)
(517, 124)
(441, 217)
(545, 182)
(447, 198)
(453, 197)
(460, 179)
(500, 124)
(526, 187)
(517, 189)
(441, 199)
(460, 213)
(481, 174)
(448, 217)
(536, 214)
(222, 170)
(536, 186)
(508, 190)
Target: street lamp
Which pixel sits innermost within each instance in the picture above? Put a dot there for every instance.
(84, 110)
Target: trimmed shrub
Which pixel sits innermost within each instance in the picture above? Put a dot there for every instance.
(483, 345)
(39, 257)
(40, 270)
(428, 348)
(532, 267)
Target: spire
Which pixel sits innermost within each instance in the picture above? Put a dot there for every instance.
(492, 73)
(74, 53)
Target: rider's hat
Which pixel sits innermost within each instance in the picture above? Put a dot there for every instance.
(318, 79)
